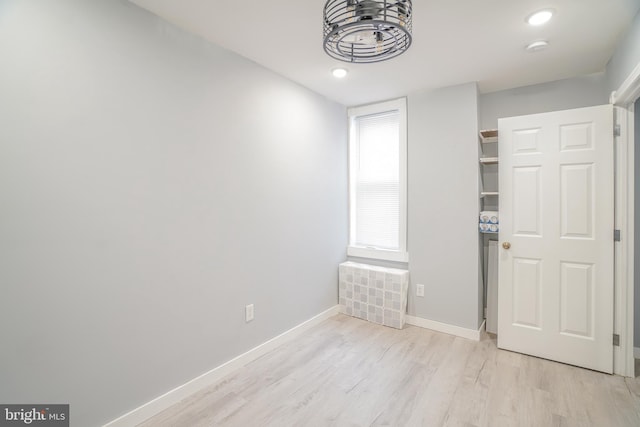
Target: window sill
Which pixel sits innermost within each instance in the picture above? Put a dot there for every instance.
(380, 254)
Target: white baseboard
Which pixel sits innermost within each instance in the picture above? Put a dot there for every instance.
(636, 352)
(458, 331)
(174, 396)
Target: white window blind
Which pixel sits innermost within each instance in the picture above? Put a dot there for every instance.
(377, 181)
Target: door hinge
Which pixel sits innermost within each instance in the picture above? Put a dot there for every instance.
(616, 130)
(616, 235)
(616, 340)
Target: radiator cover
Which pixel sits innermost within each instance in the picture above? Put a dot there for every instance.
(372, 293)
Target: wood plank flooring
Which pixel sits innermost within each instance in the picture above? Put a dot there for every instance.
(348, 372)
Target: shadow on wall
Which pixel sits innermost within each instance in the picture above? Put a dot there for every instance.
(636, 297)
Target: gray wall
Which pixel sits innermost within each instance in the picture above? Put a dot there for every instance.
(576, 92)
(626, 57)
(443, 205)
(152, 185)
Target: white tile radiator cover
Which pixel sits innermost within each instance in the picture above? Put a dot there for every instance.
(372, 293)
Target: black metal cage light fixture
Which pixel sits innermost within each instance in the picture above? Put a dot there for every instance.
(367, 30)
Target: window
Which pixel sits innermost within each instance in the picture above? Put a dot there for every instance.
(378, 181)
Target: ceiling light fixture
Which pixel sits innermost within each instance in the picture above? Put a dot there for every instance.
(339, 73)
(540, 17)
(537, 46)
(367, 30)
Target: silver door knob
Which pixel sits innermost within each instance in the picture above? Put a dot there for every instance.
(506, 245)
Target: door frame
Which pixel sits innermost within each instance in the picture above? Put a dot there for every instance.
(624, 99)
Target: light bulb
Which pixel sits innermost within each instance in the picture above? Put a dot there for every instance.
(379, 41)
(351, 10)
(402, 13)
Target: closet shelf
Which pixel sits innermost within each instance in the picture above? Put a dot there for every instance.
(488, 160)
(489, 232)
(489, 193)
(488, 136)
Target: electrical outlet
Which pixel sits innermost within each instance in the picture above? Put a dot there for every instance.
(248, 313)
(420, 290)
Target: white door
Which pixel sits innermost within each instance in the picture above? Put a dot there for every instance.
(556, 214)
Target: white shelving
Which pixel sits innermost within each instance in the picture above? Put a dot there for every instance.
(488, 156)
(488, 160)
(489, 194)
(489, 201)
(488, 136)
(489, 232)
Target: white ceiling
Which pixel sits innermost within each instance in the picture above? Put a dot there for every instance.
(454, 42)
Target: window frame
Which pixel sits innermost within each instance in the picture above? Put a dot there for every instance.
(400, 255)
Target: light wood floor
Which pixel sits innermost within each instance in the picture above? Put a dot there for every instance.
(348, 372)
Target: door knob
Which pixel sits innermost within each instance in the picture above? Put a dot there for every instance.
(506, 245)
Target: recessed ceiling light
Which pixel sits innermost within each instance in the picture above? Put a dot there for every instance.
(540, 17)
(537, 46)
(339, 73)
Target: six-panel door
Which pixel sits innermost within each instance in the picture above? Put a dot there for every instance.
(556, 212)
